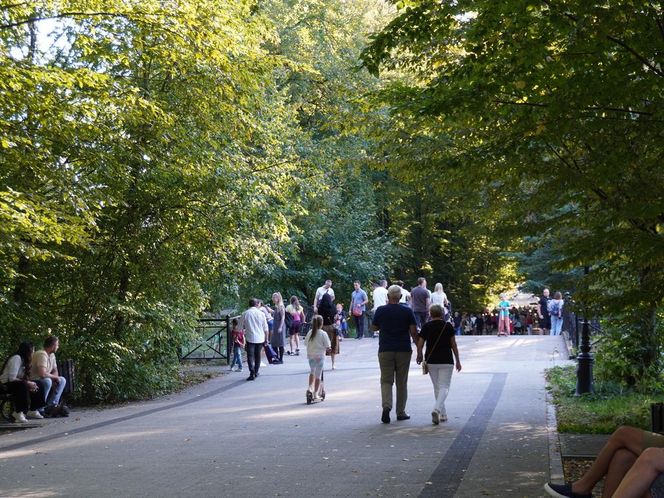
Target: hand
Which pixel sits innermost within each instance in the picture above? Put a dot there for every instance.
(458, 366)
(56, 380)
(32, 386)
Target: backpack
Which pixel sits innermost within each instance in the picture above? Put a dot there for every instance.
(326, 309)
(288, 320)
(554, 308)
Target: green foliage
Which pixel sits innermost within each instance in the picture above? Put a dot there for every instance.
(601, 413)
(546, 119)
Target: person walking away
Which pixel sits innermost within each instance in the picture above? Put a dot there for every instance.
(439, 297)
(479, 324)
(441, 356)
(457, 323)
(326, 288)
(397, 327)
(296, 312)
(421, 299)
(503, 316)
(278, 333)
(405, 294)
(44, 371)
(358, 307)
(555, 308)
(379, 298)
(27, 396)
(543, 312)
(255, 328)
(328, 310)
(318, 343)
(237, 336)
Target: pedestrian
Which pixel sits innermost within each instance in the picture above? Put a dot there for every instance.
(326, 288)
(543, 312)
(626, 463)
(479, 324)
(421, 299)
(296, 312)
(255, 328)
(504, 323)
(440, 358)
(397, 327)
(277, 336)
(457, 323)
(439, 297)
(340, 322)
(358, 307)
(405, 294)
(328, 310)
(379, 298)
(237, 336)
(318, 343)
(27, 396)
(555, 308)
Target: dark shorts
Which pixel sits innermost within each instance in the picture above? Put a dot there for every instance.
(295, 328)
(545, 323)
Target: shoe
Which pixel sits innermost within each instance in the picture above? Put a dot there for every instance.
(334, 367)
(251, 377)
(288, 353)
(310, 397)
(403, 416)
(256, 374)
(435, 417)
(297, 352)
(34, 414)
(19, 417)
(443, 418)
(64, 410)
(563, 491)
(385, 417)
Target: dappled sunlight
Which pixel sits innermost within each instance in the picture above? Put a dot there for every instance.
(77, 441)
(30, 493)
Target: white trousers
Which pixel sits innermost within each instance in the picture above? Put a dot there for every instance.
(441, 376)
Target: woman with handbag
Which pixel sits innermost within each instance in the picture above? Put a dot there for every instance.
(442, 355)
(358, 304)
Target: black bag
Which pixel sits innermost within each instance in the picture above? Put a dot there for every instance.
(288, 320)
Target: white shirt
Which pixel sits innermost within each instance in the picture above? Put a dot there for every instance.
(42, 359)
(319, 294)
(379, 297)
(438, 298)
(319, 344)
(255, 325)
(14, 369)
(405, 296)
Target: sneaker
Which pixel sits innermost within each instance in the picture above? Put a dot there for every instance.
(251, 377)
(443, 418)
(403, 416)
(385, 417)
(34, 414)
(19, 417)
(435, 417)
(563, 491)
(63, 410)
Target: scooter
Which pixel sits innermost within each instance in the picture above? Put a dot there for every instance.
(321, 393)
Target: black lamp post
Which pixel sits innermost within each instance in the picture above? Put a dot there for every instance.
(584, 371)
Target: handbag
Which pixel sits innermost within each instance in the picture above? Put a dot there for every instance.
(425, 366)
(357, 311)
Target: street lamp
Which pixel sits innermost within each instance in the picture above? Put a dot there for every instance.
(584, 370)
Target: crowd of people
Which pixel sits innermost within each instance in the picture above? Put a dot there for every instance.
(32, 379)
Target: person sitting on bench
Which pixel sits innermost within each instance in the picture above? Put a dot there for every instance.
(27, 396)
(618, 460)
(45, 371)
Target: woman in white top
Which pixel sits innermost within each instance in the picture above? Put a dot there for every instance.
(27, 397)
(439, 297)
(318, 342)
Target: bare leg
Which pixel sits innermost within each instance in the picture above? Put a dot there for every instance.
(317, 386)
(621, 462)
(311, 382)
(643, 473)
(332, 356)
(624, 438)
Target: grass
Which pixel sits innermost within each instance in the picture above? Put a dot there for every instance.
(599, 413)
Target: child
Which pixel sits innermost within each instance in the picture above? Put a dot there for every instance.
(318, 342)
(340, 323)
(237, 336)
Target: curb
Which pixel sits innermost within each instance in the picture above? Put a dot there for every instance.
(555, 458)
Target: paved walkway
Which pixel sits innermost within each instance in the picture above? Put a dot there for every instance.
(229, 437)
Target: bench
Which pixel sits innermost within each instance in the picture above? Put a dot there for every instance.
(6, 407)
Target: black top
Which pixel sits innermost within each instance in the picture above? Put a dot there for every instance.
(431, 331)
(544, 306)
(393, 321)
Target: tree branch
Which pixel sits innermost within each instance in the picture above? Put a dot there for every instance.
(645, 61)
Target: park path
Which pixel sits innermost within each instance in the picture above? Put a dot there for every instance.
(229, 437)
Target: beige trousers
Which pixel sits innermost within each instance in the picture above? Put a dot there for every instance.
(394, 368)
